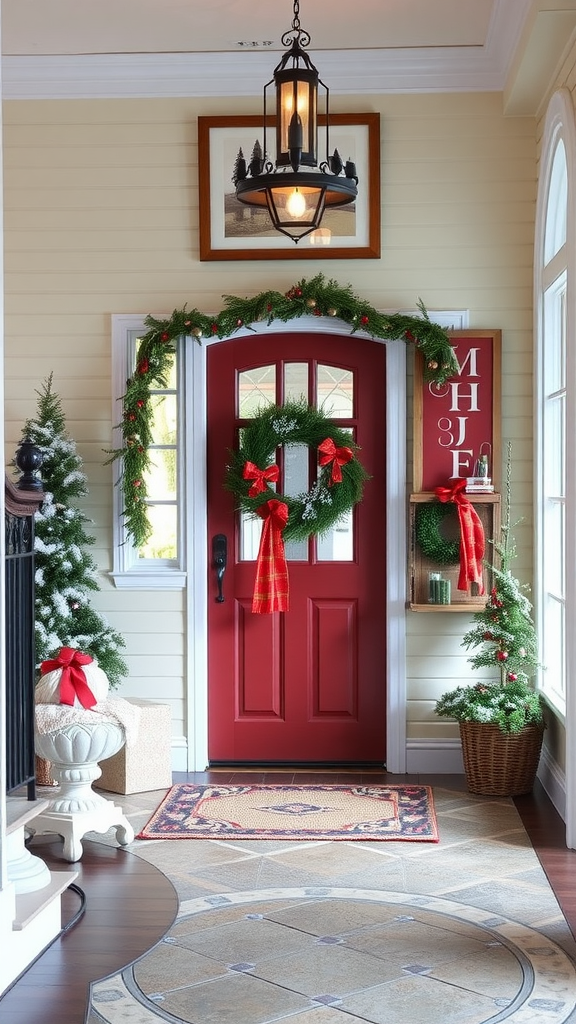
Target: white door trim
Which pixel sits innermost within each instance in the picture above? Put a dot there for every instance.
(197, 540)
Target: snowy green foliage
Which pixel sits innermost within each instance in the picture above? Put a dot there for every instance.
(66, 573)
(503, 637)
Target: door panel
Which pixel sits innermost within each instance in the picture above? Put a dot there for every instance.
(307, 685)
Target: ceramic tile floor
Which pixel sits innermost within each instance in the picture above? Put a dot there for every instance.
(459, 932)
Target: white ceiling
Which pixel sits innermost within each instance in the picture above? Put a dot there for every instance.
(189, 26)
(85, 48)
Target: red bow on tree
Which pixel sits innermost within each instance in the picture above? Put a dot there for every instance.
(271, 584)
(472, 542)
(337, 456)
(72, 681)
(260, 477)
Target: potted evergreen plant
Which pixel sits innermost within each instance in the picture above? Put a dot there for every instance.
(501, 721)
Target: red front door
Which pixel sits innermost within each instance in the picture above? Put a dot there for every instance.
(307, 685)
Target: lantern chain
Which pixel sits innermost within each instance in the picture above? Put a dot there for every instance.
(296, 35)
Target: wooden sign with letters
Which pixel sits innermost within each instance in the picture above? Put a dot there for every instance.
(457, 422)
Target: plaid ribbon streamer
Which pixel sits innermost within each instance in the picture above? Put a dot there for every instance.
(271, 584)
(472, 541)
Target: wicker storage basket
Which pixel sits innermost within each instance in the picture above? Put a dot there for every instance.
(499, 763)
(43, 772)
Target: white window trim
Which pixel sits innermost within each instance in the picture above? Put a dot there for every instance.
(126, 573)
(559, 121)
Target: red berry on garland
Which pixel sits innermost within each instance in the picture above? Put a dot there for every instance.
(364, 319)
(512, 677)
(165, 336)
(137, 483)
(140, 403)
(317, 312)
(214, 328)
(239, 322)
(502, 655)
(143, 366)
(131, 416)
(487, 636)
(409, 336)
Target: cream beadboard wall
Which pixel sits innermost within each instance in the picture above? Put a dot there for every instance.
(101, 217)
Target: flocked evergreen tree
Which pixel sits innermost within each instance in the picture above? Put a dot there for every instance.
(503, 633)
(503, 636)
(66, 573)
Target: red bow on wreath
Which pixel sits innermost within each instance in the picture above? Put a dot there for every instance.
(73, 680)
(337, 456)
(260, 477)
(472, 542)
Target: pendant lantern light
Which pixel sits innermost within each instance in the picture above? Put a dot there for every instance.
(297, 188)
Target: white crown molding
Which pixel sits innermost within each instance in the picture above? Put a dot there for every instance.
(102, 76)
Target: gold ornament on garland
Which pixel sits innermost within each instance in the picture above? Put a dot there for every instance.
(316, 297)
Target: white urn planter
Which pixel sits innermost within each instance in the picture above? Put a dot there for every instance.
(75, 809)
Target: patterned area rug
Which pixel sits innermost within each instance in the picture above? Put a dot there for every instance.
(325, 812)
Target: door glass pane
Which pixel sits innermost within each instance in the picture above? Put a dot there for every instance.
(335, 391)
(295, 382)
(338, 544)
(250, 532)
(296, 481)
(256, 390)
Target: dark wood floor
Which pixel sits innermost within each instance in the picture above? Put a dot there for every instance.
(130, 905)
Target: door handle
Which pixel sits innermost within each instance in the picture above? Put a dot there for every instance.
(219, 560)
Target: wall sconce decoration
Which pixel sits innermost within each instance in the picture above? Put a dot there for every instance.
(296, 189)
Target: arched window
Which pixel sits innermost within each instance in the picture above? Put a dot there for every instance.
(555, 389)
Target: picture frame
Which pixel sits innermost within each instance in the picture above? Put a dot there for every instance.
(230, 230)
(452, 428)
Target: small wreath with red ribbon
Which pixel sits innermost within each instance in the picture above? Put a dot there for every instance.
(253, 471)
(469, 550)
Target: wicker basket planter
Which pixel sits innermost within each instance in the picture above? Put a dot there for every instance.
(499, 763)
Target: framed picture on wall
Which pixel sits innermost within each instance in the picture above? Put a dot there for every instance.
(231, 230)
(457, 425)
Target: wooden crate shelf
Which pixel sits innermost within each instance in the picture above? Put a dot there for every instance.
(488, 509)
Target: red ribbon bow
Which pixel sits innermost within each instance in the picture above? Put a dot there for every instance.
(472, 542)
(271, 584)
(260, 477)
(337, 456)
(72, 681)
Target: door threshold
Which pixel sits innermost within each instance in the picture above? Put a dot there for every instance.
(299, 766)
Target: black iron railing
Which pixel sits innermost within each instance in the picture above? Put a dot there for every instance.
(22, 501)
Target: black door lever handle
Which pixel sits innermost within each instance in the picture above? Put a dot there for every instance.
(219, 560)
